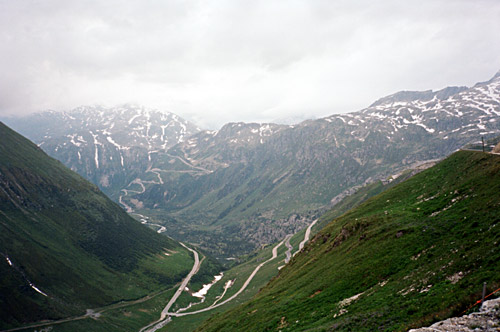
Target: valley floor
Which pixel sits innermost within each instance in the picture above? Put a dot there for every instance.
(166, 316)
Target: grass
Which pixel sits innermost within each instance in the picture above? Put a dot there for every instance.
(130, 317)
(401, 250)
(239, 274)
(359, 196)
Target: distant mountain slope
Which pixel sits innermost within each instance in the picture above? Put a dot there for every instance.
(416, 253)
(108, 146)
(64, 246)
(357, 195)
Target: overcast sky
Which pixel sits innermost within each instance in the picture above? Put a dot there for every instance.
(218, 61)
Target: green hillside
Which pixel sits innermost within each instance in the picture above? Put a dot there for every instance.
(65, 247)
(414, 254)
(360, 195)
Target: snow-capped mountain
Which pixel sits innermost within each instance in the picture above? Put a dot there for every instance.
(106, 145)
(452, 111)
(233, 143)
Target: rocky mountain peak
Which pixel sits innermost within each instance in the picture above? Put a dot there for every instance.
(422, 96)
(403, 96)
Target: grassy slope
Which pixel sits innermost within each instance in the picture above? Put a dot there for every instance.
(62, 234)
(241, 271)
(400, 250)
(361, 195)
(133, 316)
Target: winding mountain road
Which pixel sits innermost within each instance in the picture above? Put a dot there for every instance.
(306, 236)
(249, 279)
(165, 316)
(194, 270)
(203, 170)
(290, 248)
(196, 266)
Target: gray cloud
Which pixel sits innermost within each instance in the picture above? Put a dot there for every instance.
(228, 60)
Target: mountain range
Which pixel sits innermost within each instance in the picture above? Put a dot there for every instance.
(396, 251)
(249, 184)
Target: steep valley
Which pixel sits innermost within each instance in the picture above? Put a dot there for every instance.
(65, 248)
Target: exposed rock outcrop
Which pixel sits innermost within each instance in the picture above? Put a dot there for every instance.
(487, 319)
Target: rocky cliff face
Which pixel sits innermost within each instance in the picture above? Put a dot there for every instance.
(487, 319)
